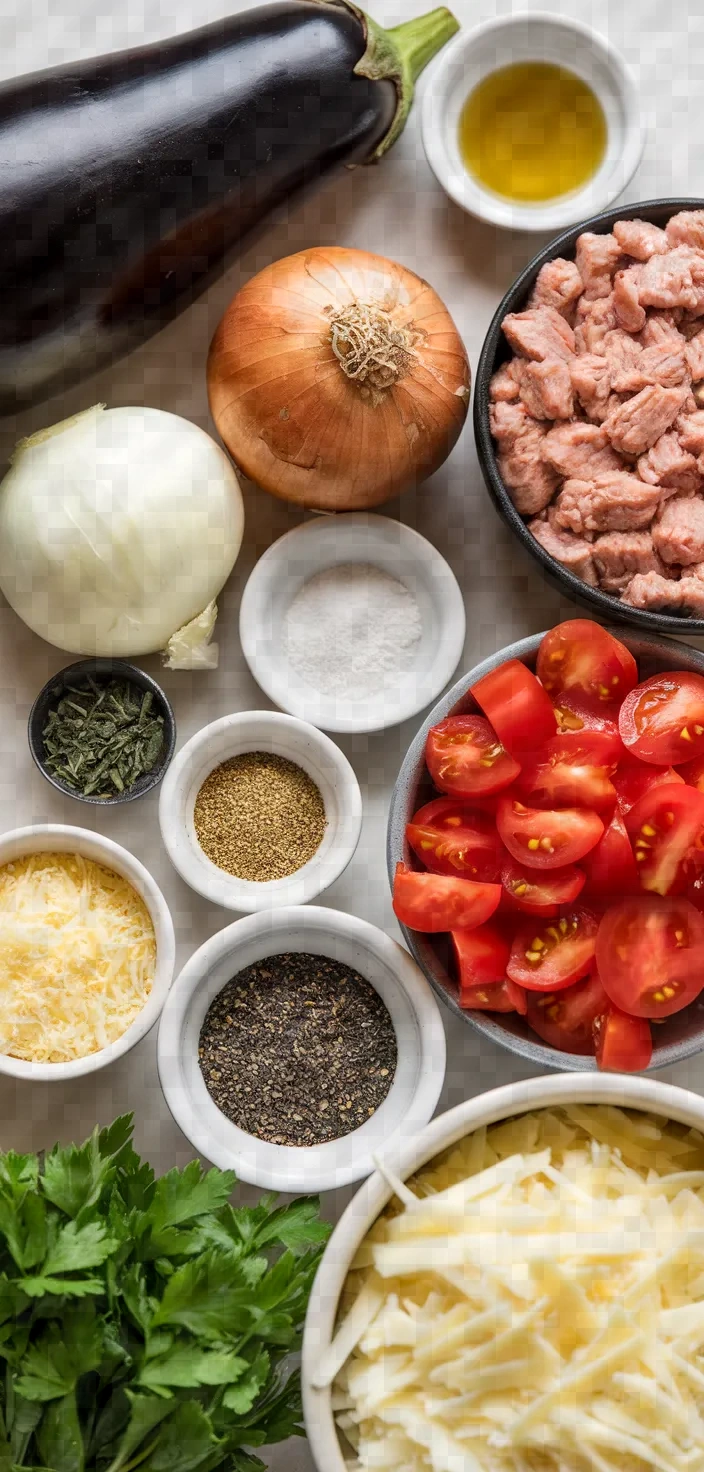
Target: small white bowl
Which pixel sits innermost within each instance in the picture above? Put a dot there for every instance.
(533, 36)
(624, 1090)
(327, 542)
(394, 975)
(260, 730)
(61, 838)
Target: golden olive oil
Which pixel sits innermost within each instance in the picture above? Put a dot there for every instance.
(532, 131)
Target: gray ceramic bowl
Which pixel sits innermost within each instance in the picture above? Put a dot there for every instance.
(102, 669)
(496, 351)
(680, 1036)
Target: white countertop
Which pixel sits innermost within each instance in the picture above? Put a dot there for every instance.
(397, 210)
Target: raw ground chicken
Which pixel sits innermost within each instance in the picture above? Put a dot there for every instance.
(598, 417)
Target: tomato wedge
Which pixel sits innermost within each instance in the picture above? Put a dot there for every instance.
(650, 955)
(572, 714)
(633, 777)
(537, 893)
(497, 996)
(434, 902)
(693, 773)
(449, 838)
(546, 839)
(466, 759)
(662, 720)
(549, 957)
(565, 1019)
(517, 706)
(624, 1044)
(481, 955)
(610, 866)
(666, 829)
(573, 769)
(582, 658)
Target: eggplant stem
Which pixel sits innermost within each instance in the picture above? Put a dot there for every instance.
(418, 40)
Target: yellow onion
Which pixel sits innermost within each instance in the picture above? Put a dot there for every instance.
(337, 379)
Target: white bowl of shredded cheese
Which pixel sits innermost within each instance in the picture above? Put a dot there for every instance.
(87, 952)
(533, 1298)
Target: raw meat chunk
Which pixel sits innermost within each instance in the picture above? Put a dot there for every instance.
(667, 464)
(546, 388)
(694, 353)
(573, 552)
(641, 240)
(508, 421)
(678, 533)
(558, 284)
(615, 502)
(618, 556)
(593, 320)
(539, 333)
(674, 280)
(696, 570)
(662, 327)
(664, 364)
(591, 381)
(650, 590)
(579, 450)
(531, 482)
(597, 257)
(687, 228)
(504, 387)
(621, 350)
(690, 430)
(629, 312)
(637, 424)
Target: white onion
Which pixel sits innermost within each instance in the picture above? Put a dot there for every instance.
(117, 527)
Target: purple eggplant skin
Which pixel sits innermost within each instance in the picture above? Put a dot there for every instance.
(125, 181)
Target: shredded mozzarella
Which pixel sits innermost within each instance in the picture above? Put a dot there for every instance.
(534, 1303)
(77, 957)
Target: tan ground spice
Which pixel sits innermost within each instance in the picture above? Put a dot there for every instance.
(259, 816)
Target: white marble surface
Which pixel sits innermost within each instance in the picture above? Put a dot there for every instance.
(397, 210)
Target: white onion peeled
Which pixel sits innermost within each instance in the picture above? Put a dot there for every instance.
(118, 527)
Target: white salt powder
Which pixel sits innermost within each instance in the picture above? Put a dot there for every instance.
(349, 628)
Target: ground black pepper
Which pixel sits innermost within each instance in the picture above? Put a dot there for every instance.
(298, 1049)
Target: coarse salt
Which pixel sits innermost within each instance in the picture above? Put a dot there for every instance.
(349, 628)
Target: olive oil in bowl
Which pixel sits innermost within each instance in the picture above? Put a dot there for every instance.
(532, 131)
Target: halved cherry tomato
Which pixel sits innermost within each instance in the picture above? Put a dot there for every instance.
(610, 868)
(549, 957)
(572, 714)
(537, 893)
(624, 1044)
(572, 769)
(650, 955)
(662, 720)
(565, 1019)
(481, 957)
(466, 759)
(449, 838)
(582, 658)
(434, 902)
(498, 996)
(517, 706)
(666, 829)
(546, 839)
(693, 773)
(633, 778)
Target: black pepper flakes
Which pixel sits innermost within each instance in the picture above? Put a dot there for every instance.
(298, 1049)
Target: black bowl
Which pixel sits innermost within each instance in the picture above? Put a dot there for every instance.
(496, 351)
(75, 674)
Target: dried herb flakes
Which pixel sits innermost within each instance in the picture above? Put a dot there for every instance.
(102, 737)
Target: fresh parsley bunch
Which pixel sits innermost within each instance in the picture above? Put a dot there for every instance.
(145, 1323)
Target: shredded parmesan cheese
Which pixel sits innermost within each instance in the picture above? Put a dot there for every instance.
(533, 1303)
(77, 957)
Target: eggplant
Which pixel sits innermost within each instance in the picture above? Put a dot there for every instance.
(125, 181)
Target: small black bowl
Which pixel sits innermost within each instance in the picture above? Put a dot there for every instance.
(76, 674)
(496, 351)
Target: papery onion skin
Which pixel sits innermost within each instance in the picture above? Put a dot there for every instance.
(117, 527)
(292, 419)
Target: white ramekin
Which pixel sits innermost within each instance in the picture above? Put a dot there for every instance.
(319, 546)
(532, 36)
(260, 730)
(406, 1157)
(400, 983)
(61, 838)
